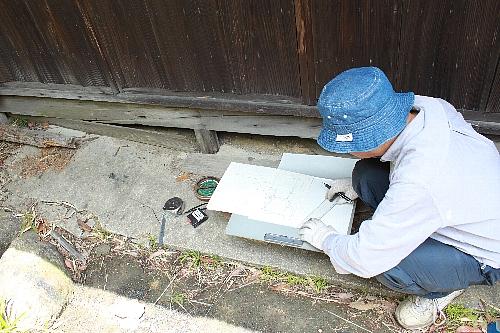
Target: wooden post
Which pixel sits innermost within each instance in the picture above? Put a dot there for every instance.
(207, 140)
(3, 118)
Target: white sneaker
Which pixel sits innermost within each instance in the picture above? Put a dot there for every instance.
(417, 312)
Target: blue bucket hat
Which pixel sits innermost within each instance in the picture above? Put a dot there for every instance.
(361, 111)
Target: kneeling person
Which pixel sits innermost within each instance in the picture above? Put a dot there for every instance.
(433, 182)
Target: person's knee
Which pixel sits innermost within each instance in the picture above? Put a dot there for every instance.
(360, 175)
(398, 280)
(370, 180)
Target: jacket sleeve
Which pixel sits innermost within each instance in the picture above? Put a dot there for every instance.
(405, 218)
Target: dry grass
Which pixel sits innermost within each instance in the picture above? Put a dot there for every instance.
(49, 159)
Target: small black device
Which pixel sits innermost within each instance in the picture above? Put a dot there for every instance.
(197, 217)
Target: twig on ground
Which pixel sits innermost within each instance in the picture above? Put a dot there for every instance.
(390, 328)
(242, 286)
(201, 303)
(348, 321)
(166, 288)
(316, 298)
(61, 203)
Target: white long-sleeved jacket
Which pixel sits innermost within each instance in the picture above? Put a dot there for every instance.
(444, 184)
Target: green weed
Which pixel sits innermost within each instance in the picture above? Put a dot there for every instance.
(153, 243)
(317, 283)
(100, 232)
(178, 298)
(7, 324)
(20, 122)
(194, 258)
(27, 221)
(272, 275)
(456, 314)
(212, 261)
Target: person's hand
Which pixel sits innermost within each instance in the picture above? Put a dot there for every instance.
(315, 232)
(341, 185)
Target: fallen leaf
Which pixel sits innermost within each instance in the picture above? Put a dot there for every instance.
(362, 306)
(278, 286)
(160, 253)
(69, 264)
(468, 329)
(238, 271)
(253, 276)
(83, 225)
(343, 295)
(42, 226)
(387, 306)
(183, 176)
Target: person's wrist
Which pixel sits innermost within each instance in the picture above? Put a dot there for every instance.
(326, 239)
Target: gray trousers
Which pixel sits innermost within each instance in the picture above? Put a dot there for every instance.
(433, 269)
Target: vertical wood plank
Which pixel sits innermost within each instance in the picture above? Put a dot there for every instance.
(493, 104)
(305, 49)
(243, 47)
(207, 141)
(354, 33)
(447, 48)
(45, 41)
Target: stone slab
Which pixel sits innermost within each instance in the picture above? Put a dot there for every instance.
(126, 184)
(9, 229)
(33, 282)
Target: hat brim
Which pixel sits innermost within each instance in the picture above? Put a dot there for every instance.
(385, 125)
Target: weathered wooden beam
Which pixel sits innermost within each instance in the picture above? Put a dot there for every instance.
(193, 118)
(153, 115)
(165, 139)
(207, 141)
(34, 137)
(270, 104)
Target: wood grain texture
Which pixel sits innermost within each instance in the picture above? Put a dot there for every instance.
(46, 41)
(353, 33)
(214, 120)
(202, 45)
(449, 49)
(207, 141)
(147, 136)
(305, 50)
(209, 101)
(152, 115)
(493, 102)
(151, 49)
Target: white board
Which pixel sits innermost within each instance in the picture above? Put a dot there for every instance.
(275, 196)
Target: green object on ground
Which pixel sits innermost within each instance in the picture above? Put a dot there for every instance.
(206, 187)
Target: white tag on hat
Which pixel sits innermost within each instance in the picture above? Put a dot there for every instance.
(344, 137)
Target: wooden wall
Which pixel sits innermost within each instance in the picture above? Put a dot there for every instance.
(286, 48)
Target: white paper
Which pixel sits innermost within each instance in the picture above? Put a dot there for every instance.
(274, 196)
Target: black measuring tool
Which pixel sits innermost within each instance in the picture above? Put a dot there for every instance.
(173, 206)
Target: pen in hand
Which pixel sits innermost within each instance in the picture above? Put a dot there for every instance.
(340, 194)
